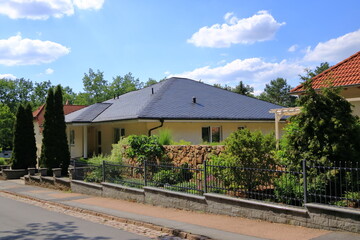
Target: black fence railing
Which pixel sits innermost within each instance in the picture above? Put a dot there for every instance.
(336, 184)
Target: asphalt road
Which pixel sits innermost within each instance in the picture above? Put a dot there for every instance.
(22, 221)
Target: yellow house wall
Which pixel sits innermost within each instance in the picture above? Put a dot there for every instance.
(356, 108)
(76, 150)
(188, 131)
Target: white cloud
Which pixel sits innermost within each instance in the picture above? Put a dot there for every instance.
(7, 76)
(253, 71)
(89, 4)
(24, 51)
(293, 48)
(49, 71)
(43, 9)
(335, 50)
(260, 27)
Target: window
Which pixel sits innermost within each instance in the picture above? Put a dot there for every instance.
(72, 137)
(211, 134)
(118, 134)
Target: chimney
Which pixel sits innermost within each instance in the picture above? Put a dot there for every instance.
(194, 99)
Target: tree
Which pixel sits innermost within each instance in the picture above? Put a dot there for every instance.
(39, 94)
(325, 131)
(62, 154)
(277, 92)
(319, 69)
(18, 157)
(29, 137)
(96, 86)
(6, 126)
(48, 149)
(24, 146)
(243, 89)
(150, 82)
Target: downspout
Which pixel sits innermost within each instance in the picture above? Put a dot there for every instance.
(150, 130)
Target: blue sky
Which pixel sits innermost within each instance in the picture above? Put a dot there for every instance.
(215, 41)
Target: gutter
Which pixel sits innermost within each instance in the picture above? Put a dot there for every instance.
(161, 124)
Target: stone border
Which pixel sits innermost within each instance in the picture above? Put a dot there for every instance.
(13, 173)
(49, 182)
(313, 215)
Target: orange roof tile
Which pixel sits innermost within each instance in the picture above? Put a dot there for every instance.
(345, 73)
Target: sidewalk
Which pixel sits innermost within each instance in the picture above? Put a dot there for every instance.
(210, 225)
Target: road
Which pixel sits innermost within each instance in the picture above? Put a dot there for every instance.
(22, 221)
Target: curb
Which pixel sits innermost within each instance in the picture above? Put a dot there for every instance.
(172, 231)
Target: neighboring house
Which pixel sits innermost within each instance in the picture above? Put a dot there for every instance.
(38, 119)
(191, 110)
(345, 74)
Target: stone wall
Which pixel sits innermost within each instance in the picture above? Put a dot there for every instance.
(191, 154)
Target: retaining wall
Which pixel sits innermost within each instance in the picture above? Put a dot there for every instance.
(313, 215)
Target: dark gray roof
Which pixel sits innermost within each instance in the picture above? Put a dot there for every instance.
(172, 99)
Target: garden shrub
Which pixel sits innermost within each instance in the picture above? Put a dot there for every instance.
(165, 177)
(143, 148)
(245, 151)
(187, 187)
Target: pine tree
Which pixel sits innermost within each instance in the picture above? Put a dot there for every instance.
(48, 149)
(19, 148)
(62, 154)
(29, 136)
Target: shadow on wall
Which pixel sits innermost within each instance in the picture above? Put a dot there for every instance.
(49, 230)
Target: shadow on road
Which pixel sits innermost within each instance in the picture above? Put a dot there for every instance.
(49, 230)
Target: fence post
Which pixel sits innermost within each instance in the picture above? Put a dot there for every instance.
(205, 177)
(145, 172)
(103, 170)
(305, 180)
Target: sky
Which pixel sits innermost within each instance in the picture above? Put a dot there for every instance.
(215, 41)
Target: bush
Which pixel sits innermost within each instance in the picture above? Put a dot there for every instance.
(2, 161)
(244, 152)
(289, 189)
(144, 148)
(165, 137)
(165, 177)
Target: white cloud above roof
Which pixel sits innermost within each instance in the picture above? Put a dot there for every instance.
(89, 4)
(7, 76)
(43, 9)
(24, 51)
(336, 49)
(253, 71)
(260, 27)
(293, 48)
(49, 71)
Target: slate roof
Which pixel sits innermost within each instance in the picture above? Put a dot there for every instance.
(345, 73)
(173, 99)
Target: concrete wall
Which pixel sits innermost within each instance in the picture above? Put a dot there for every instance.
(312, 215)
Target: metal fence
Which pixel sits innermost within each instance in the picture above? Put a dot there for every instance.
(336, 183)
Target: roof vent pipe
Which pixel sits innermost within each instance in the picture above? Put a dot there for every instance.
(194, 99)
(152, 90)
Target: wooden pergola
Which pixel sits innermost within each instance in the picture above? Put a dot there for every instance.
(279, 113)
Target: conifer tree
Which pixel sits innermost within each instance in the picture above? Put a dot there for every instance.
(29, 136)
(48, 149)
(19, 149)
(62, 154)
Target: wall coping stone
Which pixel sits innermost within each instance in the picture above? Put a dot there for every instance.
(87, 184)
(117, 186)
(333, 208)
(62, 180)
(257, 203)
(178, 194)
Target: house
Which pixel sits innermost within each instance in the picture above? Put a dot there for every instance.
(345, 74)
(38, 119)
(193, 111)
